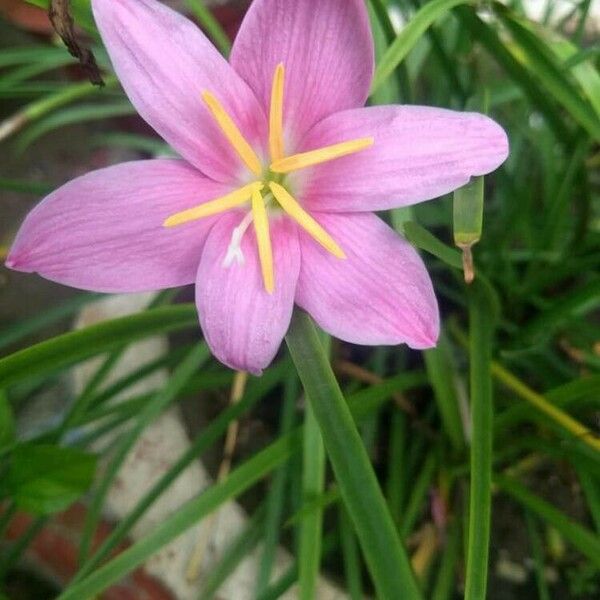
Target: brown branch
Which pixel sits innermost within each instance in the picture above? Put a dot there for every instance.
(62, 21)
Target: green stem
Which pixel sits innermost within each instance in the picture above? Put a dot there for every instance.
(481, 331)
(386, 557)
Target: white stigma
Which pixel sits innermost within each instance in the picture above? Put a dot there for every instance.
(234, 250)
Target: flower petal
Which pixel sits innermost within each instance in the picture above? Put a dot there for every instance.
(327, 52)
(419, 153)
(104, 231)
(242, 323)
(165, 63)
(381, 294)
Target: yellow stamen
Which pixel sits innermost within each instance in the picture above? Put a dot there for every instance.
(261, 227)
(232, 133)
(315, 157)
(291, 206)
(214, 207)
(276, 116)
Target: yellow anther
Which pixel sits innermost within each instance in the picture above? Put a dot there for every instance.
(261, 227)
(232, 133)
(214, 207)
(315, 157)
(291, 206)
(276, 115)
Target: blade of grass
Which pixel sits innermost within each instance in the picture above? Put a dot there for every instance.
(591, 491)
(43, 106)
(65, 350)
(81, 113)
(424, 240)
(21, 329)
(191, 363)
(481, 335)
(445, 583)
(190, 513)
(395, 489)
(276, 497)
(498, 51)
(441, 374)
(25, 187)
(360, 404)
(409, 36)
(416, 501)
(211, 25)
(233, 555)
(581, 538)
(256, 390)
(532, 53)
(351, 556)
(311, 525)
(386, 557)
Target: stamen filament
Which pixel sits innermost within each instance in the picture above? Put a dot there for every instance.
(232, 133)
(214, 207)
(291, 206)
(315, 157)
(265, 252)
(276, 115)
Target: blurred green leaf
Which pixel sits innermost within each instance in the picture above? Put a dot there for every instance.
(64, 350)
(481, 334)
(81, 113)
(385, 554)
(7, 422)
(409, 36)
(537, 58)
(44, 479)
(584, 540)
(424, 240)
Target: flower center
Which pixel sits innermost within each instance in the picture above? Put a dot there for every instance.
(270, 180)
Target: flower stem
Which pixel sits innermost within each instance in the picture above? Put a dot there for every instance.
(386, 557)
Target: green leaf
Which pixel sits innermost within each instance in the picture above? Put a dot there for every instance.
(44, 479)
(81, 113)
(7, 422)
(424, 240)
(481, 334)
(385, 555)
(311, 527)
(531, 51)
(441, 371)
(67, 349)
(257, 389)
(409, 36)
(277, 493)
(583, 539)
(187, 515)
(360, 404)
(195, 358)
(211, 25)
(236, 552)
(15, 332)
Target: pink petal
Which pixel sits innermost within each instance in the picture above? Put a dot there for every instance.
(104, 231)
(164, 62)
(419, 153)
(242, 323)
(326, 48)
(381, 294)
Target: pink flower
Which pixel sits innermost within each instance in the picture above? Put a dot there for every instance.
(281, 167)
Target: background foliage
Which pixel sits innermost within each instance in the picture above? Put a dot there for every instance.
(501, 419)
